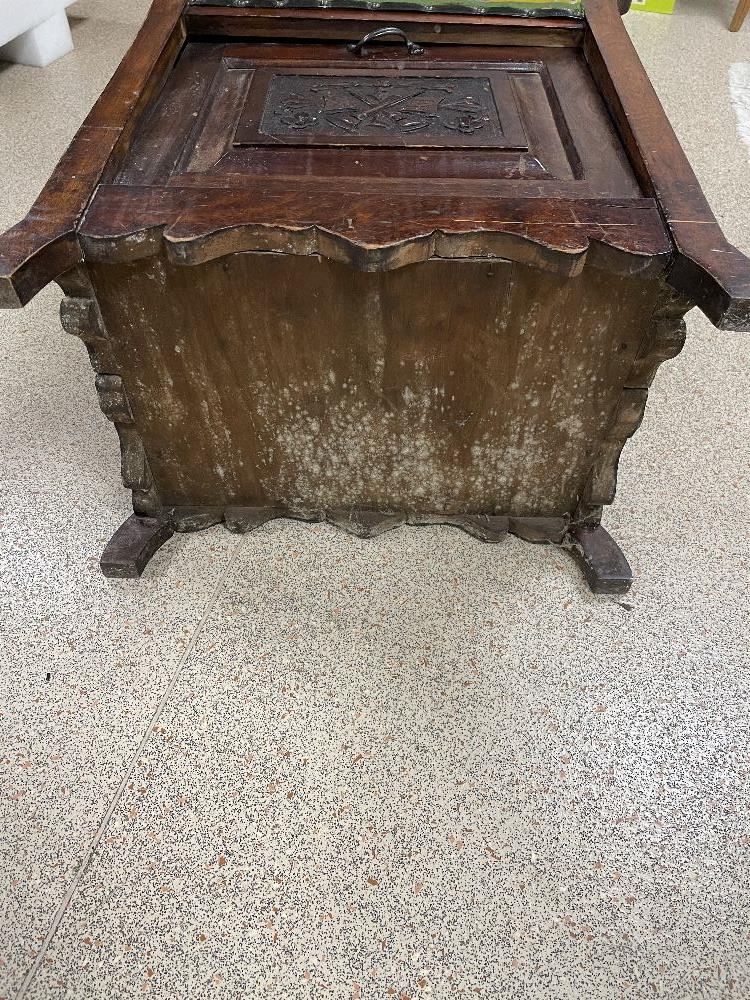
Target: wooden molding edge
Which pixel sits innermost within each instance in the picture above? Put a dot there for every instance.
(713, 273)
(44, 244)
(81, 317)
(539, 249)
(367, 523)
(664, 340)
(542, 247)
(604, 565)
(195, 226)
(706, 267)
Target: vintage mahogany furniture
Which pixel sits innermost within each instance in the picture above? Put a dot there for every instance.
(377, 266)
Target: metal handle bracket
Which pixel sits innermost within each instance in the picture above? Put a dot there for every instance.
(396, 33)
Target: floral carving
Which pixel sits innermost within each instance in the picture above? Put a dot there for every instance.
(377, 105)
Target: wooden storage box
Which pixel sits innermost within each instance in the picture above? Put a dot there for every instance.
(377, 267)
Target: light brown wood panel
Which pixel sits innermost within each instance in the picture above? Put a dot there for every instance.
(446, 386)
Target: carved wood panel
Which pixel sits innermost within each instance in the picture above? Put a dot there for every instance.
(449, 109)
(80, 316)
(664, 339)
(234, 112)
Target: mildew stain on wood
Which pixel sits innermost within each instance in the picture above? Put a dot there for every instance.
(443, 386)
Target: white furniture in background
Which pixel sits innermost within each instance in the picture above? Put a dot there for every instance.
(34, 32)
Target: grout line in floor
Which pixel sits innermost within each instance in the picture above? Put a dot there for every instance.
(91, 849)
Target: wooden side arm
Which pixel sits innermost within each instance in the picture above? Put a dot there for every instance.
(707, 269)
(45, 245)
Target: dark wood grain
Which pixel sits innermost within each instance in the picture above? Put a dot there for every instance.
(383, 233)
(552, 117)
(350, 25)
(714, 274)
(606, 569)
(453, 387)
(44, 245)
(131, 547)
(313, 299)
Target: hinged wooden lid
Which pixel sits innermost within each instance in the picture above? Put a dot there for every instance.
(379, 161)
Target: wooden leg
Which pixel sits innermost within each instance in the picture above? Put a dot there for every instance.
(132, 545)
(605, 567)
(739, 15)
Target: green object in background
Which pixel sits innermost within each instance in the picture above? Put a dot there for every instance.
(654, 6)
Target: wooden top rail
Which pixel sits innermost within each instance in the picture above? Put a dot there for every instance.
(706, 268)
(45, 245)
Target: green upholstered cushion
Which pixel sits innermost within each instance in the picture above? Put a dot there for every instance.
(521, 8)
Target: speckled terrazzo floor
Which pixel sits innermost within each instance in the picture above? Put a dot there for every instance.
(298, 765)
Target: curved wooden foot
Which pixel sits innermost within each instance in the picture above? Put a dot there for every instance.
(132, 545)
(606, 569)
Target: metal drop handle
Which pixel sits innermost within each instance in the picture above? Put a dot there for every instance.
(411, 47)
